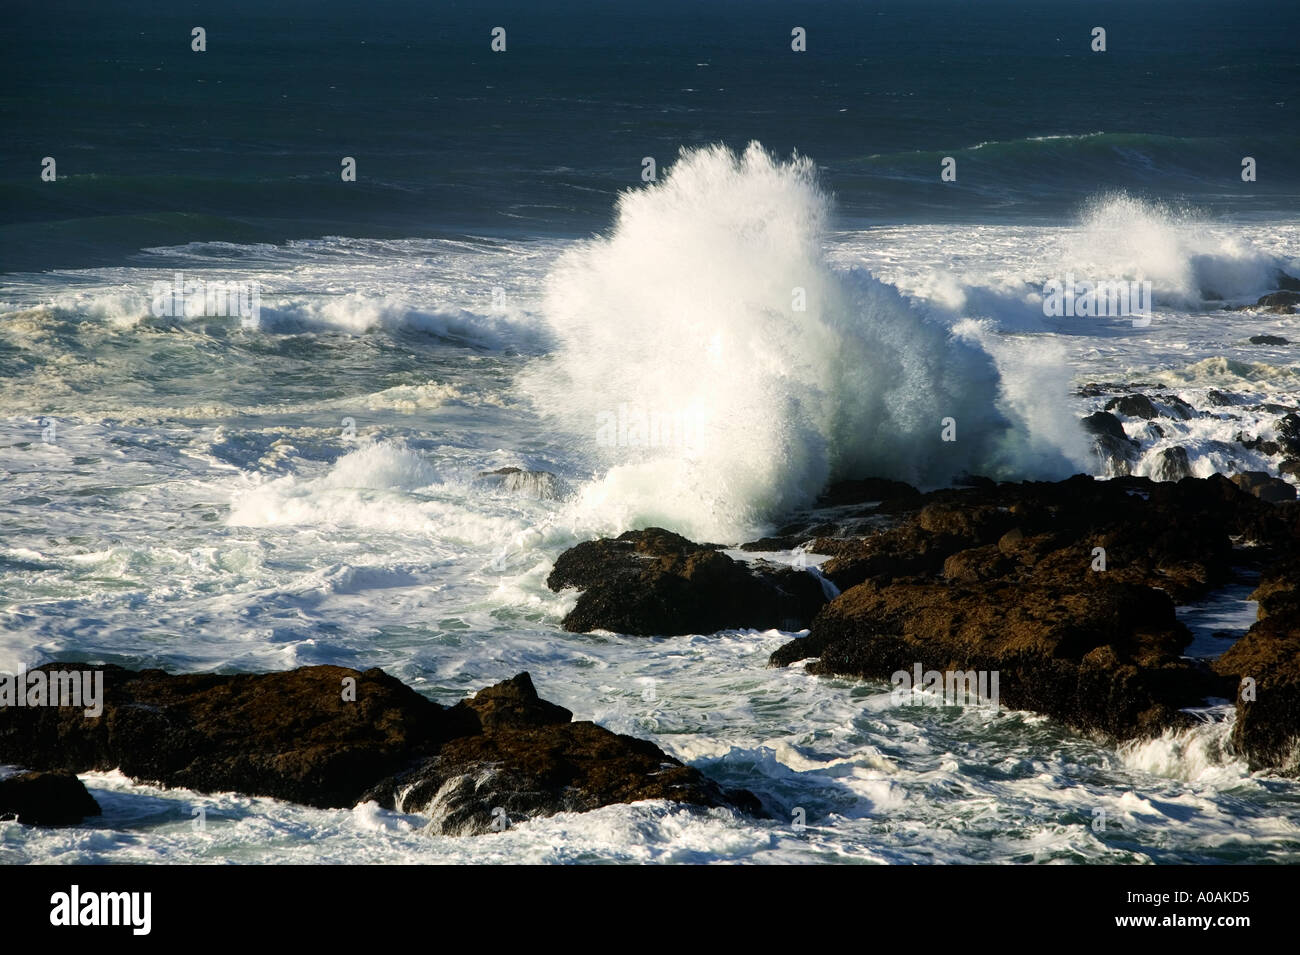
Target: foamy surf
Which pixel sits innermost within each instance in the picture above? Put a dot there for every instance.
(312, 491)
(712, 300)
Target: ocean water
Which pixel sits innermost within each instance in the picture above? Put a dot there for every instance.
(500, 289)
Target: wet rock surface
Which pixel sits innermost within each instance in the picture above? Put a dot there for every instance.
(296, 735)
(530, 760)
(1067, 590)
(46, 799)
(1265, 665)
(653, 582)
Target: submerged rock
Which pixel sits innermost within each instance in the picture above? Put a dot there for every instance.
(1268, 340)
(46, 799)
(654, 582)
(539, 484)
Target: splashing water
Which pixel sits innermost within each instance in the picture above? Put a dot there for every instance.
(712, 301)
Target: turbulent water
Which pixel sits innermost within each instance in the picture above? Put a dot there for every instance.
(499, 288)
(207, 493)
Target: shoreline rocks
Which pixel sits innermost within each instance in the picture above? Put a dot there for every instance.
(326, 736)
(46, 799)
(1067, 589)
(531, 760)
(653, 582)
(1266, 665)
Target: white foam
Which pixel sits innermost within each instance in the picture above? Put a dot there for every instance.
(689, 307)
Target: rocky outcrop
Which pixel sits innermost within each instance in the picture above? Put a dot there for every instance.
(291, 735)
(328, 736)
(1048, 531)
(654, 582)
(1133, 406)
(1281, 302)
(1264, 486)
(1113, 446)
(1066, 589)
(1265, 665)
(539, 484)
(1172, 465)
(1102, 658)
(530, 760)
(867, 490)
(46, 799)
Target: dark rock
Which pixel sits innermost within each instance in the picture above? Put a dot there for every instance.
(1046, 527)
(1180, 408)
(770, 544)
(866, 490)
(1268, 340)
(1105, 657)
(655, 582)
(513, 703)
(1133, 406)
(1172, 465)
(539, 484)
(1265, 665)
(291, 735)
(1112, 444)
(1096, 389)
(1264, 486)
(1290, 466)
(46, 799)
(1281, 302)
(1105, 425)
(1288, 434)
(1257, 444)
(1219, 399)
(529, 762)
(1278, 591)
(1097, 648)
